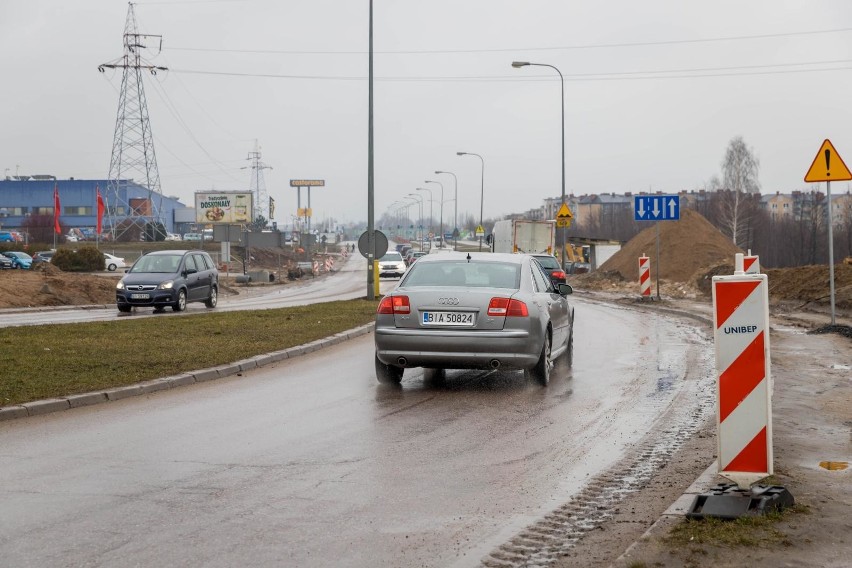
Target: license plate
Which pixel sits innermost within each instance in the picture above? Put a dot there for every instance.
(140, 296)
(462, 319)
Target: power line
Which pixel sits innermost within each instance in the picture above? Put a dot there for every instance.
(522, 49)
(745, 70)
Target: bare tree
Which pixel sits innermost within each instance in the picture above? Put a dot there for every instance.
(739, 169)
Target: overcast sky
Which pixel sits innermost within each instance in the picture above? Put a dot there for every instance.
(654, 91)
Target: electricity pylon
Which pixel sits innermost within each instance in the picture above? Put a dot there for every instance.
(133, 157)
(257, 185)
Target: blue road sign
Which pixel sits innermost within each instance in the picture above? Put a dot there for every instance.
(656, 207)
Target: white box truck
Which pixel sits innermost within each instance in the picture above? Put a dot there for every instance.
(524, 236)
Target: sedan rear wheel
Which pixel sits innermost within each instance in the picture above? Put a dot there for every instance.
(180, 305)
(388, 374)
(111, 267)
(541, 372)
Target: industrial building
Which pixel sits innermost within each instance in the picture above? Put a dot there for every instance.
(24, 196)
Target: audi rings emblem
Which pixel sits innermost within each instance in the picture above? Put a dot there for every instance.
(448, 301)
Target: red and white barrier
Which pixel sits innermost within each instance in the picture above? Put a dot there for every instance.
(329, 264)
(645, 276)
(751, 263)
(744, 382)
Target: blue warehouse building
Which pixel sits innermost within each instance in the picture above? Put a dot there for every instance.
(24, 196)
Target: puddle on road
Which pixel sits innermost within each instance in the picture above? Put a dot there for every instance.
(834, 465)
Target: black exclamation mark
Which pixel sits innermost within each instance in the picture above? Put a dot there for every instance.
(828, 162)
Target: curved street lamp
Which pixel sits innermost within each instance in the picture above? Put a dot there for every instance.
(519, 64)
(441, 222)
(456, 207)
(481, 192)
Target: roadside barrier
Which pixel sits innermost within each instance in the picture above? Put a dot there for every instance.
(645, 276)
(744, 381)
(329, 264)
(751, 263)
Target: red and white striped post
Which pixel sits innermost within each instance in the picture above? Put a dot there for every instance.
(744, 381)
(751, 263)
(645, 276)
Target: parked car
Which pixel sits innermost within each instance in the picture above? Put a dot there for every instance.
(19, 259)
(113, 262)
(474, 311)
(551, 266)
(192, 237)
(7, 237)
(169, 278)
(43, 256)
(391, 264)
(415, 256)
(5, 262)
(172, 237)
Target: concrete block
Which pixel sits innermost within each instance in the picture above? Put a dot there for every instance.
(279, 355)
(228, 370)
(154, 386)
(123, 392)
(12, 412)
(263, 360)
(181, 380)
(206, 375)
(246, 364)
(86, 399)
(46, 406)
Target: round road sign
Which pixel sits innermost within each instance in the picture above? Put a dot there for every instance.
(381, 244)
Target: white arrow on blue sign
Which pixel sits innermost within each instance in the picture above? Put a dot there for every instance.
(656, 207)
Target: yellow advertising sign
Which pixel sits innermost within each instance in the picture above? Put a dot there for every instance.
(305, 212)
(828, 166)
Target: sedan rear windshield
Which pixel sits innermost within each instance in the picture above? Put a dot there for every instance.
(468, 274)
(547, 261)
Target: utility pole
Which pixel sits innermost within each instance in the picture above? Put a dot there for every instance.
(133, 156)
(257, 185)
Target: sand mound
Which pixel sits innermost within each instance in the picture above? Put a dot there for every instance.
(687, 247)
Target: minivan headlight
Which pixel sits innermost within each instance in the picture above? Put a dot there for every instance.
(167, 285)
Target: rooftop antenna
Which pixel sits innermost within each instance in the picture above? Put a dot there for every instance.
(133, 158)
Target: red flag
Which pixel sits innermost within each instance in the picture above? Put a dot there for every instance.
(101, 208)
(56, 228)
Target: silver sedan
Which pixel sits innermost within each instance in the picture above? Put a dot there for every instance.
(474, 311)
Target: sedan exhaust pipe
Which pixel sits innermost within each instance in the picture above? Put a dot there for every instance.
(494, 364)
(402, 361)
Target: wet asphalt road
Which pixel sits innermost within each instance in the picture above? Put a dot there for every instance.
(311, 462)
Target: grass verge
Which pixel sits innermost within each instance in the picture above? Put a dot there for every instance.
(748, 531)
(38, 362)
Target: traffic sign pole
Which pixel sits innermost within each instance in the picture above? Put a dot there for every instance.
(828, 166)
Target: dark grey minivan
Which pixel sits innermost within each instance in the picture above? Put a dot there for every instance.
(169, 278)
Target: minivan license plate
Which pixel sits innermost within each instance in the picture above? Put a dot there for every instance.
(462, 319)
(140, 296)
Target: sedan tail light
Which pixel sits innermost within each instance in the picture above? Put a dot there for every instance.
(557, 274)
(394, 305)
(507, 307)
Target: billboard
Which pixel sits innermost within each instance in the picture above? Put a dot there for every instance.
(223, 207)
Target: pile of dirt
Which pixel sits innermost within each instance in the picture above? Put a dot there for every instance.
(688, 247)
(807, 286)
(46, 285)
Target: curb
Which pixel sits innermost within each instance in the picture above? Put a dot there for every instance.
(47, 406)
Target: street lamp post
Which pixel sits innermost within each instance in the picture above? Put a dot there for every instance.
(420, 198)
(519, 64)
(481, 192)
(431, 228)
(441, 222)
(456, 208)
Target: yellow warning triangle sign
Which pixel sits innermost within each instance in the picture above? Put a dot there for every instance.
(564, 212)
(828, 166)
